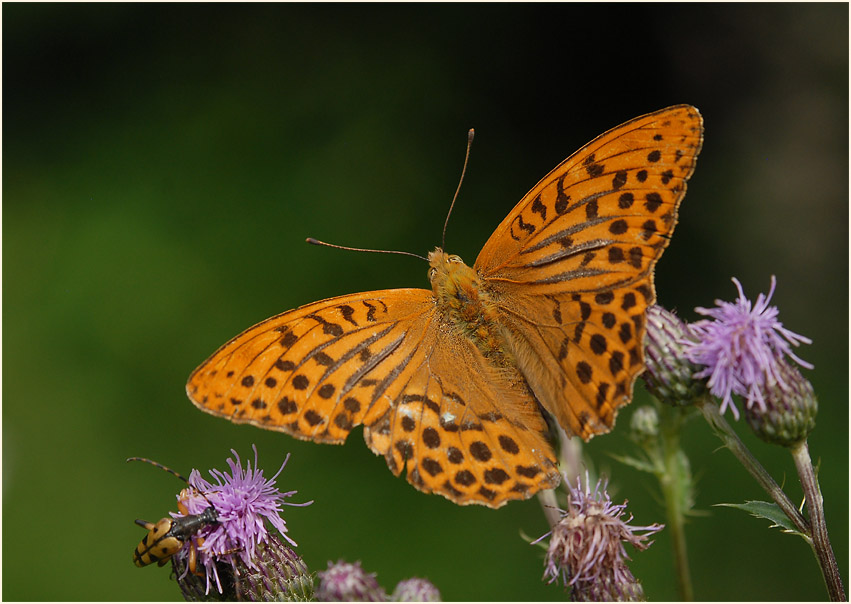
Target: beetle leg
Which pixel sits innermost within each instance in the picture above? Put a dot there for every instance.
(193, 558)
(192, 563)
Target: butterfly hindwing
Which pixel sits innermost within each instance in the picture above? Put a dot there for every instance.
(462, 429)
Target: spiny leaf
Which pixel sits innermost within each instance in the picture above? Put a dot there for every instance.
(769, 511)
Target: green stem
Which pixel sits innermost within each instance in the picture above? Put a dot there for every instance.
(570, 466)
(815, 507)
(737, 447)
(671, 480)
(549, 504)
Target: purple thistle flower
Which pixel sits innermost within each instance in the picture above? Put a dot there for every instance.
(741, 348)
(244, 500)
(586, 546)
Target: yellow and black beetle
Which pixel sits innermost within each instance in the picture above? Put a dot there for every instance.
(168, 536)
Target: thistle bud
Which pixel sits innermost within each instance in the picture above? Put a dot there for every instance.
(789, 411)
(280, 575)
(669, 371)
(644, 425)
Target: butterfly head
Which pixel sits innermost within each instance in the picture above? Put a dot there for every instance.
(452, 281)
(444, 269)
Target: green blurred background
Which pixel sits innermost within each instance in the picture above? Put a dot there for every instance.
(163, 165)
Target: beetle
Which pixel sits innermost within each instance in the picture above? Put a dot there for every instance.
(168, 536)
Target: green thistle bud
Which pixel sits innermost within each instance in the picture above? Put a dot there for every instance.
(280, 576)
(669, 372)
(788, 413)
(644, 425)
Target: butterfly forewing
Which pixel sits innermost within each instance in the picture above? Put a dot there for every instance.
(573, 263)
(317, 371)
(618, 192)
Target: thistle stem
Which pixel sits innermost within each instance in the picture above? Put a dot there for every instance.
(815, 507)
(549, 504)
(673, 490)
(737, 447)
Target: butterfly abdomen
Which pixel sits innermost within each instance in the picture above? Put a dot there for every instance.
(468, 306)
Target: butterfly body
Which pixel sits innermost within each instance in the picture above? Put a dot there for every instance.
(449, 383)
(463, 298)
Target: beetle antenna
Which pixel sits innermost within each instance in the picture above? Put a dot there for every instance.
(170, 471)
(160, 466)
(470, 134)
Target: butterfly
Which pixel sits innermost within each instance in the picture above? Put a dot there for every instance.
(455, 384)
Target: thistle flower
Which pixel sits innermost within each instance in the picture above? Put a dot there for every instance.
(742, 348)
(586, 546)
(415, 590)
(244, 501)
(346, 582)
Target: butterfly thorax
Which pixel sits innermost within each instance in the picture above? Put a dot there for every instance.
(467, 305)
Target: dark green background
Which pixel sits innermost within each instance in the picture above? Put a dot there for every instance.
(163, 164)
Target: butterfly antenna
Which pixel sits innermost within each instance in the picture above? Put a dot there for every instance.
(470, 134)
(313, 241)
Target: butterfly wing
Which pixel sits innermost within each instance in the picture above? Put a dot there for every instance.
(572, 264)
(385, 359)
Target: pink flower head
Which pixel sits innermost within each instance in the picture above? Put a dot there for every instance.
(586, 547)
(244, 501)
(346, 582)
(741, 348)
(415, 589)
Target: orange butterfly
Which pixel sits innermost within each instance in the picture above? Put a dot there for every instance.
(453, 383)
